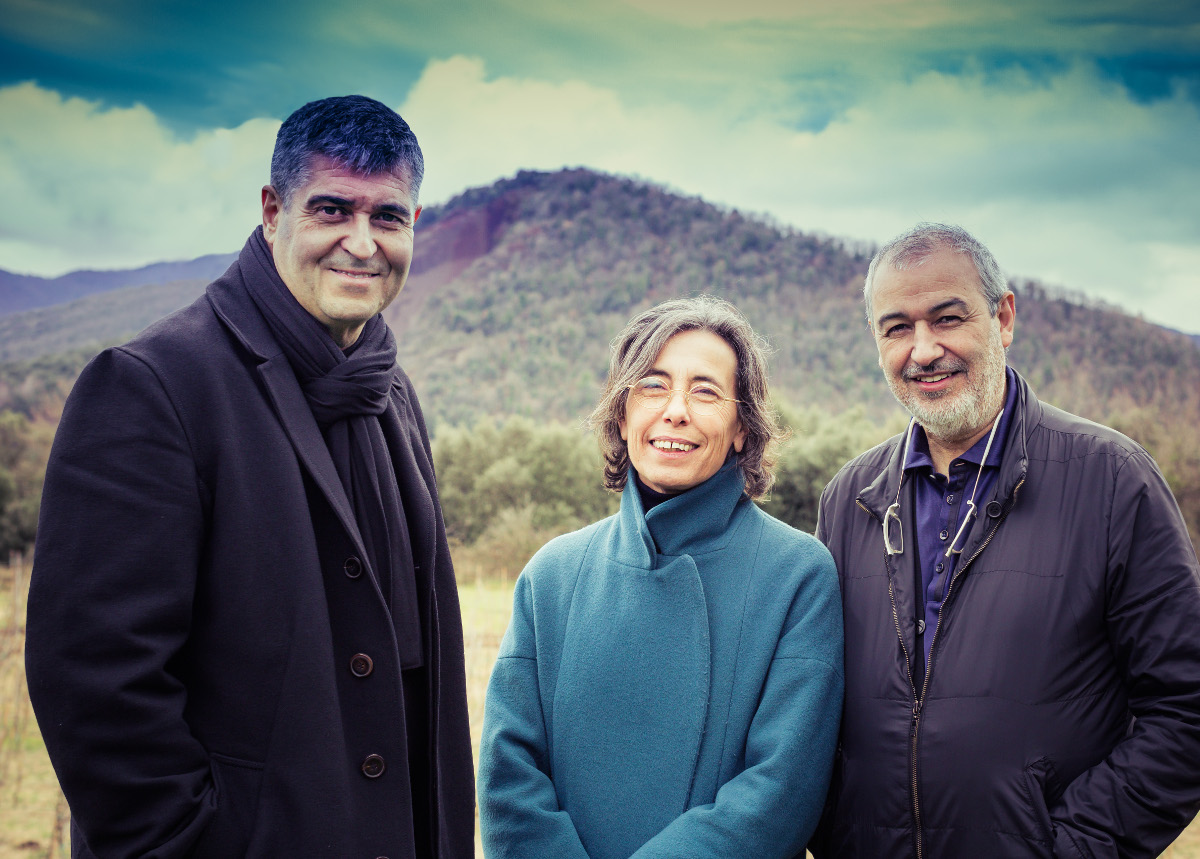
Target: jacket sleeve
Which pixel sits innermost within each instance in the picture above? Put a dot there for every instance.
(1138, 799)
(519, 814)
(109, 610)
(771, 808)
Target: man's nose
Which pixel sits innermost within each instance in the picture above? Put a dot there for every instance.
(926, 347)
(358, 241)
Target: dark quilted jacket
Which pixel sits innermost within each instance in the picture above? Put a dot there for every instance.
(1061, 711)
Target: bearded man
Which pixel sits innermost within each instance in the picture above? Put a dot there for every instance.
(1021, 600)
(244, 636)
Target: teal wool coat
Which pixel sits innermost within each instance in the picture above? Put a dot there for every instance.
(670, 685)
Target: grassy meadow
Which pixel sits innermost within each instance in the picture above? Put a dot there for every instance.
(33, 815)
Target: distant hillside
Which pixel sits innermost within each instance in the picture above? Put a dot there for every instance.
(98, 318)
(25, 292)
(517, 288)
(522, 284)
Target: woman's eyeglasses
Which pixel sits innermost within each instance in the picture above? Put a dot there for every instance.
(702, 399)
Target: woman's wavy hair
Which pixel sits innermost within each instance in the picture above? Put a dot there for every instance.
(634, 351)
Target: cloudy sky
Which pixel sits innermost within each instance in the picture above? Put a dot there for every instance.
(1065, 134)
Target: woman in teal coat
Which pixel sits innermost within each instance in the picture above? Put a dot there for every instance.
(671, 682)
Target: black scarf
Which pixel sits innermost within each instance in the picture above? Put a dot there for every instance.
(347, 392)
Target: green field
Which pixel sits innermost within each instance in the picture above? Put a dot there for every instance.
(31, 807)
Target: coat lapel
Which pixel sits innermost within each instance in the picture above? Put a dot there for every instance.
(301, 427)
(233, 305)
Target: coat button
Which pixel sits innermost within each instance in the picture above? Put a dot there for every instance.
(353, 567)
(994, 509)
(361, 665)
(920, 626)
(373, 766)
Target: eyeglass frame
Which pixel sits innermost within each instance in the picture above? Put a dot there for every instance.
(719, 405)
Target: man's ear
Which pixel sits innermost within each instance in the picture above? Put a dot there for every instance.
(417, 214)
(271, 207)
(1006, 314)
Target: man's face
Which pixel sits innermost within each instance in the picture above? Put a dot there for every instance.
(941, 352)
(344, 244)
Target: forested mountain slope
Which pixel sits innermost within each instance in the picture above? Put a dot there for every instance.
(517, 288)
(515, 292)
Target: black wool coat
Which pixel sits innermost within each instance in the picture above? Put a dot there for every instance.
(200, 606)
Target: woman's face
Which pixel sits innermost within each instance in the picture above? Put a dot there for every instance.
(672, 447)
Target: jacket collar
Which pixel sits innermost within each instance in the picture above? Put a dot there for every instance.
(881, 492)
(1014, 464)
(692, 523)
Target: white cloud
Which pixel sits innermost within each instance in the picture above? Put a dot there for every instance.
(1067, 179)
(93, 187)
(859, 14)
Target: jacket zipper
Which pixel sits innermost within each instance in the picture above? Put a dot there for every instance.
(916, 710)
(929, 668)
(919, 699)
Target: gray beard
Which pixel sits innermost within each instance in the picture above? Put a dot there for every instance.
(950, 418)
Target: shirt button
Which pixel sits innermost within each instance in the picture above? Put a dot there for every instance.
(949, 499)
(361, 665)
(920, 626)
(373, 766)
(352, 567)
(939, 568)
(944, 535)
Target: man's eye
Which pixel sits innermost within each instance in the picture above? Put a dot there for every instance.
(893, 330)
(389, 218)
(330, 211)
(949, 320)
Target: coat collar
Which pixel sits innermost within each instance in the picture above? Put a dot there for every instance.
(691, 523)
(235, 308)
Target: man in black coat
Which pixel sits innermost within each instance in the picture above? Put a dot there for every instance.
(244, 635)
(1021, 599)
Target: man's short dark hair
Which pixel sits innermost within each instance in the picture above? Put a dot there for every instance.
(359, 133)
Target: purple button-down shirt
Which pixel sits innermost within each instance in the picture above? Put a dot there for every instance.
(940, 506)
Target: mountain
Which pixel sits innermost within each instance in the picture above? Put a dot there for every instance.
(25, 292)
(517, 289)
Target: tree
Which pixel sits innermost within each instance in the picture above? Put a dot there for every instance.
(820, 443)
(23, 449)
(550, 470)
